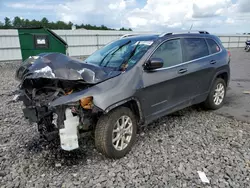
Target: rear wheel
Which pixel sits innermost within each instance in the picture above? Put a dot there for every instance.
(115, 132)
(217, 95)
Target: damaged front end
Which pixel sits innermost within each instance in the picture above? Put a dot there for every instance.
(49, 76)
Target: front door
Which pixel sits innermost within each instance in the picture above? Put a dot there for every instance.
(158, 95)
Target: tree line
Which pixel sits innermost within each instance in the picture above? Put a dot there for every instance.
(18, 22)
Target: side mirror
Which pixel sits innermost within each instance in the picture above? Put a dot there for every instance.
(153, 63)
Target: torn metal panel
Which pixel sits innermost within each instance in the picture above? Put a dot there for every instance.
(111, 90)
(61, 67)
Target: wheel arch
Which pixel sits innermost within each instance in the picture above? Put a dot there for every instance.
(224, 74)
(133, 103)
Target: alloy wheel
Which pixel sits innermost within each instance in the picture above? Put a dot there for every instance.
(122, 132)
(219, 94)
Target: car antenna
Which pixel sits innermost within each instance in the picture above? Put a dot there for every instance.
(190, 28)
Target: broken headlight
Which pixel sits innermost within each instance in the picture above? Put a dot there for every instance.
(86, 102)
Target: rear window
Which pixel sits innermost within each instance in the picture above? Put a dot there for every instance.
(194, 48)
(214, 48)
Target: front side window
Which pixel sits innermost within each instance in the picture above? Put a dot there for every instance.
(170, 52)
(121, 53)
(214, 48)
(194, 48)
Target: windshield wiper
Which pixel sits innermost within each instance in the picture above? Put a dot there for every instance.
(104, 57)
(114, 53)
(124, 62)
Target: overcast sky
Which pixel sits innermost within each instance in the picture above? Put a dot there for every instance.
(217, 16)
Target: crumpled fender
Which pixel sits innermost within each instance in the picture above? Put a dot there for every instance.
(108, 92)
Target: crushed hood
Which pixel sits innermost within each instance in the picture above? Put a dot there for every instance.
(62, 67)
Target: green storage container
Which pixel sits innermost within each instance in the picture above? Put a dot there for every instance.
(34, 41)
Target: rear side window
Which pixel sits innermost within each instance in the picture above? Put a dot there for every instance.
(170, 52)
(194, 48)
(214, 48)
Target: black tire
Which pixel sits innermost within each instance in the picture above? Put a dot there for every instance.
(104, 132)
(209, 103)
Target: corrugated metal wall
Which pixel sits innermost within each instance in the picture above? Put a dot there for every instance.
(85, 42)
(9, 45)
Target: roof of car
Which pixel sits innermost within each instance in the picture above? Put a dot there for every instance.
(163, 36)
(167, 35)
(186, 35)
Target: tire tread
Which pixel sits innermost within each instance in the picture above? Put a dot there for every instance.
(208, 103)
(102, 131)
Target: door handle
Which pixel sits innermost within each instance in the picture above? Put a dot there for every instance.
(212, 61)
(181, 71)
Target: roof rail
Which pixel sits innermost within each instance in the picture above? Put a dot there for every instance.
(137, 34)
(183, 32)
(203, 32)
(164, 34)
(128, 35)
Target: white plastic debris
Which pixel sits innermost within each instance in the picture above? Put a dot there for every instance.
(47, 71)
(246, 92)
(203, 177)
(68, 135)
(58, 165)
(15, 97)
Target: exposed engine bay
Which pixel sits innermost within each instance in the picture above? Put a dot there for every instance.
(47, 77)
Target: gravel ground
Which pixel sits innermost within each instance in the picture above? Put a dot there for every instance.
(237, 104)
(168, 153)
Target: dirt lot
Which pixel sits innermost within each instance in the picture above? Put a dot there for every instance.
(168, 153)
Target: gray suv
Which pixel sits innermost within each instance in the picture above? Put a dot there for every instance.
(129, 82)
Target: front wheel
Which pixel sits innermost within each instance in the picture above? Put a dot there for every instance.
(115, 132)
(217, 95)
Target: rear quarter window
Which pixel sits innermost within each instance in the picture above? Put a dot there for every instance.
(194, 48)
(214, 47)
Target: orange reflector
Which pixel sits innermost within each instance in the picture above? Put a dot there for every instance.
(86, 102)
(69, 92)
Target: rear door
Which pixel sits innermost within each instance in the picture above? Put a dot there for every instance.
(216, 58)
(197, 58)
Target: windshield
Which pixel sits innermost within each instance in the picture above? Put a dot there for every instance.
(121, 53)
